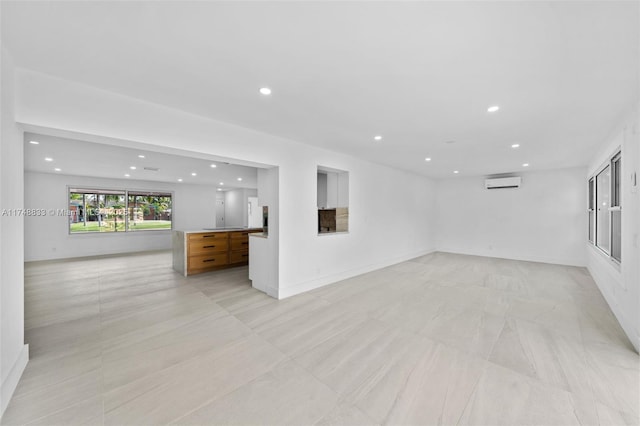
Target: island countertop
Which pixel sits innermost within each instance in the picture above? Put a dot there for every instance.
(230, 229)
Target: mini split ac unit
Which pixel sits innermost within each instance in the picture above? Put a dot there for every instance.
(501, 183)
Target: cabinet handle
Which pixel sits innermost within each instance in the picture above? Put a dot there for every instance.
(245, 255)
(208, 236)
(245, 242)
(209, 260)
(208, 246)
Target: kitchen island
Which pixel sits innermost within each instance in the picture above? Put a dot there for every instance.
(205, 250)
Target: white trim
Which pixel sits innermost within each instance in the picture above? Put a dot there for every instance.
(600, 276)
(330, 279)
(569, 261)
(11, 382)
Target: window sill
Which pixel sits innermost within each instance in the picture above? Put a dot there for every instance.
(322, 234)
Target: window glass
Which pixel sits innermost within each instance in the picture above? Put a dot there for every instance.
(148, 211)
(103, 210)
(603, 202)
(616, 212)
(590, 209)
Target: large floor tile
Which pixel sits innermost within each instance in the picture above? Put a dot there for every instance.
(168, 395)
(533, 350)
(441, 339)
(133, 360)
(504, 397)
(286, 395)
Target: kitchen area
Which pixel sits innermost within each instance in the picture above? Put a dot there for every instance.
(242, 236)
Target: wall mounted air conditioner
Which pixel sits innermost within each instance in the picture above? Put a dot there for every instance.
(501, 183)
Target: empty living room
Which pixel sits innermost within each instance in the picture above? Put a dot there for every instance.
(319, 212)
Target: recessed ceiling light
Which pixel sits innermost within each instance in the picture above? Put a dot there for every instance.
(456, 171)
(265, 91)
(221, 183)
(57, 169)
(179, 179)
(140, 156)
(239, 179)
(525, 165)
(34, 142)
(132, 167)
(427, 159)
(515, 145)
(378, 138)
(127, 175)
(493, 108)
(213, 166)
(219, 189)
(48, 159)
(194, 174)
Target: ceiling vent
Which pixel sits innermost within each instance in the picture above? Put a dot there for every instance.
(152, 169)
(502, 183)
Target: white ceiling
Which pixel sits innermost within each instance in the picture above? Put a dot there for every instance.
(418, 73)
(81, 158)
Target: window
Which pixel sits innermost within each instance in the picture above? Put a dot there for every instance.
(603, 188)
(605, 212)
(616, 211)
(104, 210)
(591, 211)
(332, 200)
(149, 210)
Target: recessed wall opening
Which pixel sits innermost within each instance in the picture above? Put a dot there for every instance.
(332, 200)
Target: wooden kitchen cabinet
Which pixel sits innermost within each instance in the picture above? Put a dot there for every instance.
(198, 252)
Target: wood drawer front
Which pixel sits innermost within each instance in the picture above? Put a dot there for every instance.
(239, 244)
(205, 261)
(241, 256)
(240, 235)
(203, 247)
(209, 236)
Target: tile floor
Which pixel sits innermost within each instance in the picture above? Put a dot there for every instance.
(442, 339)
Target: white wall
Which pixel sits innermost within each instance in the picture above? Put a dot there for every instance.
(14, 354)
(332, 190)
(47, 237)
(322, 190)
(379, 196)
(343, 190)
(544, 220)
(236, 206)
(620, 286)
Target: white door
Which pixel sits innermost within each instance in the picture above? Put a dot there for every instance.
(219, 213)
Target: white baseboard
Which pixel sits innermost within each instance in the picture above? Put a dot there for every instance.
(511, 256)
(11, 382)
(608, 284)
(305, 286)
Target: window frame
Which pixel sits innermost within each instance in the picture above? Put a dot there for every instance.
(125, 192)
(616, 205)
(615, 189)
(591, 210)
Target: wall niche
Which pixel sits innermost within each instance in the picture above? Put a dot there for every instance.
(332, 200)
